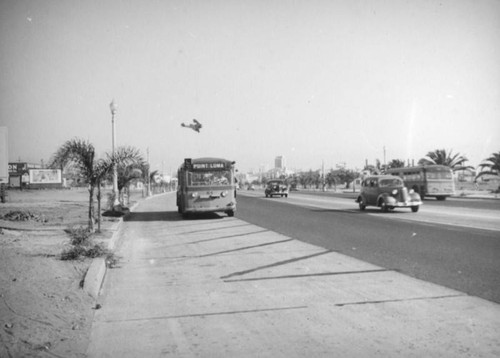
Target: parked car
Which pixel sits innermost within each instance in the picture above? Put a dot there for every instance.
(276, 187)
(387, 192)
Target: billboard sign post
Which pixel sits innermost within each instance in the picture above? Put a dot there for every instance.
(4, 162)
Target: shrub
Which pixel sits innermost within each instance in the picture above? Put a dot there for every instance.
(73, 253)
(82, 245)
(96, 251)
(80, 236)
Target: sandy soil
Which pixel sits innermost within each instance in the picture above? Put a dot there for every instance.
(44, 312)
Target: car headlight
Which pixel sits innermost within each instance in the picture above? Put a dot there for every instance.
(395, 191)
(411, 191)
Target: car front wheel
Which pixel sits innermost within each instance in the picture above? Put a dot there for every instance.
(362, 205)
(414, 209)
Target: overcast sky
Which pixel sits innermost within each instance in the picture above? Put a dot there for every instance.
(315, 81)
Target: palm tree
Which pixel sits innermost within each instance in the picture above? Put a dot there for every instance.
(490, 166)
(130, 166)
(440, 156)
(396, 163)
(373, 170)
(81, 154)
(152, 179)
(103, 169)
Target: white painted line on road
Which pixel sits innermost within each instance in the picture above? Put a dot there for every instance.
(458, 217)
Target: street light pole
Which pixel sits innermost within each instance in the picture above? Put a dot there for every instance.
(113, 107)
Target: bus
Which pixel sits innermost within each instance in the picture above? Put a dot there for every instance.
(427, 180)
(206, 185)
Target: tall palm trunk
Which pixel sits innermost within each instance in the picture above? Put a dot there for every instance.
(91, 208)
(98, 206)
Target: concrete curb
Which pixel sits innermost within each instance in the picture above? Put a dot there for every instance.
(94, 277)
(97, 271)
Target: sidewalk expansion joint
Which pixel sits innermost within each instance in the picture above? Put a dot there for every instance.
(246, 248)
(212, 229)
(310, 275)
(220, 238)
(399, 300)
(195, 315)
(279, 263)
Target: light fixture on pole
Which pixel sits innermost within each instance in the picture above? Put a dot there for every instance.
(113, 107)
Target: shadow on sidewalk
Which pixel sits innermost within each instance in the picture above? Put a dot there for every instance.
(168, 216)
(153, 216)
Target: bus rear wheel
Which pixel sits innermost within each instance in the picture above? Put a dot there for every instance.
(230, 213)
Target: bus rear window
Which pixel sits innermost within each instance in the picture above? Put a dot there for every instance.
(439, 175)
(212, 178)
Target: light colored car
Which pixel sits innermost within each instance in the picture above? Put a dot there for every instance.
(387, 192)
(276, 187)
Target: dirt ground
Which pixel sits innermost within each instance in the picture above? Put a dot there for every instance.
(44, 312)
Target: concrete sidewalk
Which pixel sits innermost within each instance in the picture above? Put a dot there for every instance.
(214, 287)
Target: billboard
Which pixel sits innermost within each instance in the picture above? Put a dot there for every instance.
(4, 156)
(45, 176)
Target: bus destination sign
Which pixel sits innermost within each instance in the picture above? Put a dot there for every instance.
(208, 166)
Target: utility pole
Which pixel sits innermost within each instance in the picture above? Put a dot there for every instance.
(148, 179)
(113, 108)
(323, 175)
(385, 164)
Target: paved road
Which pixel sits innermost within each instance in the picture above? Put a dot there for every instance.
(222, 287)
(486, 203)
(453, 246)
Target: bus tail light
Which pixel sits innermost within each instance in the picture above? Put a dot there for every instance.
(194, 195)
(223, 194)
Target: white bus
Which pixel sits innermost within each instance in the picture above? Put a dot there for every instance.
(206, 185)
(427, 180)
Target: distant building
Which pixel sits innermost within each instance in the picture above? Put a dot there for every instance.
(279, 162)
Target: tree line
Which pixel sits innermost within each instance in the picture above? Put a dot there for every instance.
(332, 179)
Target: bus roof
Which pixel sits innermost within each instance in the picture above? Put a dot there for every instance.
(211, 160)
(418, 167)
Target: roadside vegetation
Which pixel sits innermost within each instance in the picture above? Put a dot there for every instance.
(80, 155)
(343, 177)
(490, 167)
(82, 245)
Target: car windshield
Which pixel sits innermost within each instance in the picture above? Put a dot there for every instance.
(390, 182)
(272, 183)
